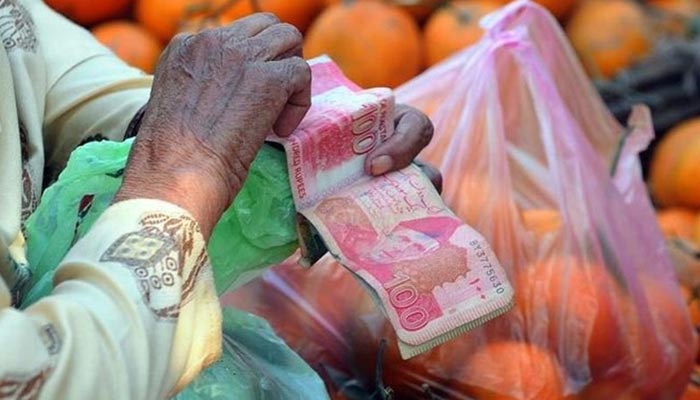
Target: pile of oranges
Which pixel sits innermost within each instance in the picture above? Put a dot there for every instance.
(381, 42)
(674, 184)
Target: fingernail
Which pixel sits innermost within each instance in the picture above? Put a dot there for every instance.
(381, 165)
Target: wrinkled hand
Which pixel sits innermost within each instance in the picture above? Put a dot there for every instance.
(215, 97)
(412, 132)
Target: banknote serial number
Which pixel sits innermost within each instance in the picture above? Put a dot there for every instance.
(403, 295)
(487, 266)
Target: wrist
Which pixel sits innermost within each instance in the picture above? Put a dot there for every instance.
(199, 194)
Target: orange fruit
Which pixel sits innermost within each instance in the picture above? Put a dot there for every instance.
(658, 353)
(677, 222)
(692, 391)
(559, 8)
(130, 42)
(674, 173)
(299, 13)
(541, 221)
(419, 9)
(440, 368)
(454, 27)
(375, 44)
(572, 304)
(443, 367)
(676, 17)
(509, 370)
(667, 349)
(483, 205)
(620, 388)
(692, 301)
(88, 12)
(609, 35)
(163, 18)
(682, 7)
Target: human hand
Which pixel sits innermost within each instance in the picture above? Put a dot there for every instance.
(215, 98)
(412, 132)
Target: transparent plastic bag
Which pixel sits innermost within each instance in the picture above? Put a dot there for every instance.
(533, 161)
(257, 231)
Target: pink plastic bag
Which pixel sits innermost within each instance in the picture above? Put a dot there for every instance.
(531, 159)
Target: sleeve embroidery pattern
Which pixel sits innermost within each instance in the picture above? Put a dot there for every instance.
(24, 387)
(16, 27)
(165, 258)
(28, 386)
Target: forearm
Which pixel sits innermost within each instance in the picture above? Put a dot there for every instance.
(134, 313)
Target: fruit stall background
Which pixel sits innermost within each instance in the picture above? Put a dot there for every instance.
(634, 51)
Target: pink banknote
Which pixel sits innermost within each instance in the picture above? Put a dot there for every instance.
(434, 276)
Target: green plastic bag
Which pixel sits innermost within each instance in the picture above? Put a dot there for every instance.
(255, 232)
(256, 364)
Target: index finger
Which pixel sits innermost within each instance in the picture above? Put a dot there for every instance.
(250, 26)
(276, 41)
(297, 76)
